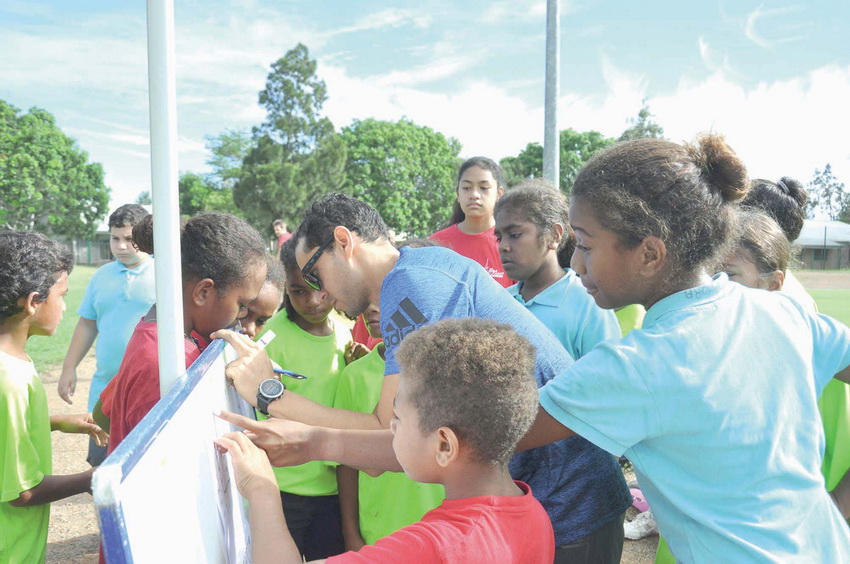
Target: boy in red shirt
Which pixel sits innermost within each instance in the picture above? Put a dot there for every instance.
(466, 396)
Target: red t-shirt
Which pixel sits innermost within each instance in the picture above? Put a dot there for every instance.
(482, 248)
(481, 529)
(361, 335)
(136, 385)
(283, 239)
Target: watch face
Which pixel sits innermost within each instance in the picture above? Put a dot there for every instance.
(271, 388)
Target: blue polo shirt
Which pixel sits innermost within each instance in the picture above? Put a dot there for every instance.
(115, 299)
(580, 486)
(571, 314)
(714, 401)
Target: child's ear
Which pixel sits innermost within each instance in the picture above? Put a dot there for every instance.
(28, 303)
(557, 236)
(652, 254)
(202, 292)
(776, 280)
(448, 446)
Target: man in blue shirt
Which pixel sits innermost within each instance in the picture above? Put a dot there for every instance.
(343, 250)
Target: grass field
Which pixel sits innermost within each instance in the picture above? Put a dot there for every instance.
(50, 351)
(835, 303)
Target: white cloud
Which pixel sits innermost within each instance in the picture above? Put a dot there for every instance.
(389, 18)
(759, 13)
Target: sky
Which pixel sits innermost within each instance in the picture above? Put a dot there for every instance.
(773, 77)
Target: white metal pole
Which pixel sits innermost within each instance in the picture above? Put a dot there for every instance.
(551, 138)
(166, 210)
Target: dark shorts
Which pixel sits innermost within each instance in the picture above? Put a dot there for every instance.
(97, 454)
(603, 546)
(315, 524)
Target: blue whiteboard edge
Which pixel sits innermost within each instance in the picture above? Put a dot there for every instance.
(117, 466)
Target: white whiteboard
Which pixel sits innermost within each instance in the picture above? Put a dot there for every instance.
(166, 494)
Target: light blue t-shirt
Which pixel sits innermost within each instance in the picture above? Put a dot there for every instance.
(580, 486)
(714, 401)
(115, 299)
(571, 314)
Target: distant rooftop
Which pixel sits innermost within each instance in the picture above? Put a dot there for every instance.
(821, 233)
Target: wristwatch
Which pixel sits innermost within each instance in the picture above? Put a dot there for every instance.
(269, 390)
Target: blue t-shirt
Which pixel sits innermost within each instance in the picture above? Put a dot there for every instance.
(115, 299)
(714, 401)
(571, 314)
(580, 486)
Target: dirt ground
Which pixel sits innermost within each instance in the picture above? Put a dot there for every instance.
(73, 534)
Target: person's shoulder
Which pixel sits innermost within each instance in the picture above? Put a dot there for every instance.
(445, 233)
(16, 374)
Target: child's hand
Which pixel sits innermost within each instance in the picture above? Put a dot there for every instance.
(354, 350)
(81, 423)
(67, 384)
(250, 369)
(286, 443)
(254, 475)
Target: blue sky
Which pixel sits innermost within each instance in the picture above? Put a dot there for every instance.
(774, 77)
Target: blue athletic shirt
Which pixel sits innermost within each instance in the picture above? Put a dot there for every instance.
(580, 486)
(571, 314)
(116, 298)
(714, 401)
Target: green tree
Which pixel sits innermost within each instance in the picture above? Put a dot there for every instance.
(576, 149)
(296, 156)
(828, 195)
(46, 181)
(227, 152)
(199, 193)
(144, 198)
(404, 170)
(643, 126)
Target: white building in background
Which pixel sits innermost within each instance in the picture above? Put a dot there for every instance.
(824, 245)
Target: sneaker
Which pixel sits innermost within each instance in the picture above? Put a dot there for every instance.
(641, 526)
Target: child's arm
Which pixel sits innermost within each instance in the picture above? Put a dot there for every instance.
(84, 335)
(81, 423)
(841, 495)
(546, 430)
(289, 443)
(255, 480)
(54, 488)
(349, 507)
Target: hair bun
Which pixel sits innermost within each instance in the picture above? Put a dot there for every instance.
(793, 188)
(720, 166)
(143, 235)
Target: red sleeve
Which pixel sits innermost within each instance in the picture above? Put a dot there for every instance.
(413, 544)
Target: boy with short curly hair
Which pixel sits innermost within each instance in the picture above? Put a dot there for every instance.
(466, 396)
(33, 281)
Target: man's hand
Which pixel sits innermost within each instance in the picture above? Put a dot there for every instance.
(287, 443)
(81, 423)
(250, 369)
(254, 475)
(67, 384)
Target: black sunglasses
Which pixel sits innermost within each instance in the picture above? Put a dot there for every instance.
(311, 279)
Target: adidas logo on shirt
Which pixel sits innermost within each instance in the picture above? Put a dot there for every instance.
(406, 319)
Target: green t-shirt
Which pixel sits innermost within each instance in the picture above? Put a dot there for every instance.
(25, 458)
(392, 500)
(321, 360)
(630, 317)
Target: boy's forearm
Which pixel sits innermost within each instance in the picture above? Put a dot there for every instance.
(54, 488)
(298, 408)
(271, 540)
(358, 449)
(349, 507)
(81, 341)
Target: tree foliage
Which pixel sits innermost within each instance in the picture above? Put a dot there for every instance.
(406, 171)
(576, 149)
(828, 195)
(642, 127)
(227, 151)
(296, 156)
(46, 181)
